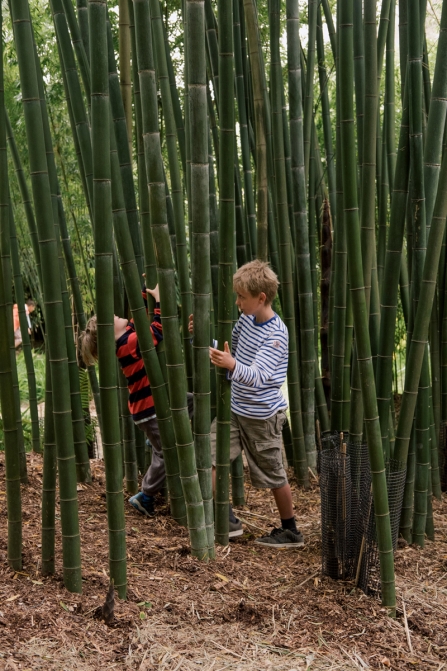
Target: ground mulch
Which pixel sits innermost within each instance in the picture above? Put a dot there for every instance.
(251, 608)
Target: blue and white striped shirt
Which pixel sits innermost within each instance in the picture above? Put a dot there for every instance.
(261, 352)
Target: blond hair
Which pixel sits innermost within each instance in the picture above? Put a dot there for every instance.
(88, 342)
(257, 277)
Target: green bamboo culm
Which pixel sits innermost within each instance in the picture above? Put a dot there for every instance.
(175, 180)
(379, 484)
(26, 345)
(241, 86)
(226, 260)
(78, 45)
(143, 194)
(422, 319)
(251, 23)
(76, 100)
(80, 445)
(49, 477)
(52, 295)
(200, 253)
(82, 10)
(128, 437)
(5, 244)
(165, 267)
(125, 71)
(237, 482)
(27, 203)
(312, 10)
(124, 155)
(102, 207)
(151, 359)
(390, 284)
(300, 224)
(419, 229)
(7, 401)
(293, 371)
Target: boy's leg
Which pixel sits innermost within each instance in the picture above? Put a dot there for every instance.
(155, 475)
(262, 443)
(284, 503)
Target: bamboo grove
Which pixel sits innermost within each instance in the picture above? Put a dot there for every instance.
(286, 133)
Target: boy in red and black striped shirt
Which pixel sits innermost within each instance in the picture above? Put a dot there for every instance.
(141, 402)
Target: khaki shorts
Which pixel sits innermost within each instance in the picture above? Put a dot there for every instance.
(261, 440)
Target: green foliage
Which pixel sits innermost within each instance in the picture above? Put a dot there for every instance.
(39, 370)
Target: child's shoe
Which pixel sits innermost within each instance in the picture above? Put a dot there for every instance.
(235, 528)
(143, 503)
(282, 538)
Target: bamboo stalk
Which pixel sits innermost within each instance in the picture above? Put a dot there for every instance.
(200, 251)
(125, 70)
(49, 476)
(104, 308)
(359, 313)
(261, 146)
(20, 298)
(7, 401)
(176, 182)
(52, 295)
(175, 367)
(226, 261)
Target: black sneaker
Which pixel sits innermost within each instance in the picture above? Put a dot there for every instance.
(282, 538)
(143, 503)
(235, 528)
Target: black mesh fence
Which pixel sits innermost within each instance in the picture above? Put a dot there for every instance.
(367, 575)
(349, 539)
(335, 484)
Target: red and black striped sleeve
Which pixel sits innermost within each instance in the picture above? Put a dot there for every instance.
(156, 326)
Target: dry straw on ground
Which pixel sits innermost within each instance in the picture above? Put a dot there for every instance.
(250, 609)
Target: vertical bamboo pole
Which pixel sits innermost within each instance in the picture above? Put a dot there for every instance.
(125, 71)
(226, 260)
(52, 295)
(102, 207)
(176, 181)
(251, 23)
(200, 251)
(26, 345)
(165, 267)
(7, 401)
(379, 485)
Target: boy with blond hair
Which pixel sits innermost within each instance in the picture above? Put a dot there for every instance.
(257, 368)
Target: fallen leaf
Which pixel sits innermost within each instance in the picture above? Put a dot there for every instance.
(61, 603)
(386, 662)
(13, 598)
(222, 577)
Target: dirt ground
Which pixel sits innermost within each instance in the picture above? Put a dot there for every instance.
(251, 608)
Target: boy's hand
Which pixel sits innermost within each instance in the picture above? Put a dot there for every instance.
(191, 324)
(222, 359)
(155, 293)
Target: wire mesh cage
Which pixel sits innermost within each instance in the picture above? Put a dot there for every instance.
(335, 486)
(348, 527)
(367, 568)
(360, 488)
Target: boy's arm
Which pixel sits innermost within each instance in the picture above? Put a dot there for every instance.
(156, 325)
